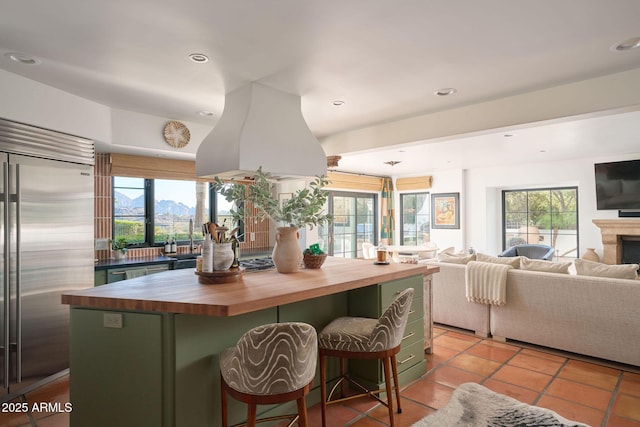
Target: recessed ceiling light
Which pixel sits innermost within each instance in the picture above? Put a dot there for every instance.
(205, 113)
(446, 91)
(392, 162)
(628, 44)
(199, 58)
(509, 135)
(338, 103)
(22, 58)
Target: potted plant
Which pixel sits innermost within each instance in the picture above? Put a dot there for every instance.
(119, 247)
(304, 208)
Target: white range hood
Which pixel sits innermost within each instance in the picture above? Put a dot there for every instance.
(261, 126)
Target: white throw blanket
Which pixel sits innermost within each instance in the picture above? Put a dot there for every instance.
(486, 282)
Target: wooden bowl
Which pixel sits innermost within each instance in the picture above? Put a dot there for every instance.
(219, 276)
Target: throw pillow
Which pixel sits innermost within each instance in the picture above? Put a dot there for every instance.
(598, 269)
(513, 261)
(448, 255)
(547, 266)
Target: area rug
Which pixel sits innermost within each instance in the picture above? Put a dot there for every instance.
(472, 405)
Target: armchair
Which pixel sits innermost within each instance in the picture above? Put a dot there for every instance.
(532, 251)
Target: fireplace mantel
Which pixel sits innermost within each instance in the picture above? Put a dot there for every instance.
(612, 230)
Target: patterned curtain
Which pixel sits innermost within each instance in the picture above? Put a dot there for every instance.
(387, 212)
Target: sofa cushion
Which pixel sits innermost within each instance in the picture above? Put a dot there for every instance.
(456, 258)
(541, 265)
(512, 261)
(598, 269)
(449, 255)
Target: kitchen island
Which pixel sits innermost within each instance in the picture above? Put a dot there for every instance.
(145, 351)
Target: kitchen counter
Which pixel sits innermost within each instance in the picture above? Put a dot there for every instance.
(180, 292)
(104, 264)
(144, 351)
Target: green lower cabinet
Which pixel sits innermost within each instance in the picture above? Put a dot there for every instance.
(110, 275)
(99, 277)
(118, 370)
(121, 273)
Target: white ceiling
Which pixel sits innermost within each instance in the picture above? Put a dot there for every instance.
(384, 59)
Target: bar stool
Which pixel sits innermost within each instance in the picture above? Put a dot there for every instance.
(365, 338)
(273, 363)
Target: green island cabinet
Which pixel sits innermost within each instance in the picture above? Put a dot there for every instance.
(371, 302)
(159, 369)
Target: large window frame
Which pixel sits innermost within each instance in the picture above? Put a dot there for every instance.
(355, 228)
(542, 215)
(415, 227)
(149, 240)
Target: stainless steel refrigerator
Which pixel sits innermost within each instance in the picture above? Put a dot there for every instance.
(46, 231)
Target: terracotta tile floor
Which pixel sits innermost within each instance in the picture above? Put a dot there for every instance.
(603, 395)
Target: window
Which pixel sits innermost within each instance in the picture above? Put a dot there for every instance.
(223, 217)
(146, 212)
(129, 209)
(354, 222)
(547, 216)
(414, 223)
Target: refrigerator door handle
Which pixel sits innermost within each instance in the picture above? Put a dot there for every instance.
(6, 279)
(18, 280)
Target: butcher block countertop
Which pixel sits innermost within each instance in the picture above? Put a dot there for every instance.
(179, 291)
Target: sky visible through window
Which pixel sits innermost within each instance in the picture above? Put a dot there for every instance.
(178, 191)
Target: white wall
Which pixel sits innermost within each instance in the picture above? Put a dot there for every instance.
(30, 102)
(143, 131)
(483, 198)
(452, 181)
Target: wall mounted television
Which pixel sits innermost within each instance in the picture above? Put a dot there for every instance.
(618, 185)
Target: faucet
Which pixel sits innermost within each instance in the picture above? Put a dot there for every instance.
(191, 235)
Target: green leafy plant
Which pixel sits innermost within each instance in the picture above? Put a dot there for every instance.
(119, 244)
(304, 208)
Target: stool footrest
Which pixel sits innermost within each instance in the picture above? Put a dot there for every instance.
(365, 392)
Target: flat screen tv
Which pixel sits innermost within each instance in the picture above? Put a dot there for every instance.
(618, 185)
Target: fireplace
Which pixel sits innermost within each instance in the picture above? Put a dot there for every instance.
(619, 233)
(630, 249)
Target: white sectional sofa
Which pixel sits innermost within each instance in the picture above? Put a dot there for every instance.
(593, 316)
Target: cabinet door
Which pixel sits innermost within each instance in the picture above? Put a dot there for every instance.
(129, 379)
(99, 277)
(117, 274)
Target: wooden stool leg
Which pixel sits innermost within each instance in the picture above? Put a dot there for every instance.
(323, 389)
(343, 372)
(251, 415)
(387, 379)
(223, 402)
(302, 412)
(394, 367)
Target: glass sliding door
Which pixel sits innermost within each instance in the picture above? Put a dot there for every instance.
(354, 222)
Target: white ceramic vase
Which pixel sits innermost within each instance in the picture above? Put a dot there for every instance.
(287, 254)
(119, 254)
(222, 256)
